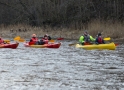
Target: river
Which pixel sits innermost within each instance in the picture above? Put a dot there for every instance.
(65, 68)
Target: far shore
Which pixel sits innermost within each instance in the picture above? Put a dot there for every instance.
(115, 31)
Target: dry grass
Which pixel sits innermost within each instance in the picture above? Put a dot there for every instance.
(109, 29)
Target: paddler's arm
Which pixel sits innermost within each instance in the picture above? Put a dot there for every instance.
(81, 39)
(92, 39)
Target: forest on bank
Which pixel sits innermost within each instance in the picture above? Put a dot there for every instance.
(60, 13)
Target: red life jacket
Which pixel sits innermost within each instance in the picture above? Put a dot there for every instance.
(1, 41)
(100, 40)
(45, 41)
(34, 39)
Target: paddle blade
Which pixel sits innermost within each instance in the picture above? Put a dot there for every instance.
(116, 44)
(17, 38)
(60, 38)
(72, 44)
(107, 38)
(21, 40)
(52, 41)
(86, 43)
(7, 41)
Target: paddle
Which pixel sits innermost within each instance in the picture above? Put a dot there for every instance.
(86, 43)
(73, 44)
(108, 38)
(52, 41)
(116, 44)
(19, 39)
(7, 41)
(60, 38)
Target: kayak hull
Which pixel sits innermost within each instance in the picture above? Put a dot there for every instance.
(51, 45)
(11, 45)
(110, 46)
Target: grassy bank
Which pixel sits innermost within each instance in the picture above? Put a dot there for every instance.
(109, 29)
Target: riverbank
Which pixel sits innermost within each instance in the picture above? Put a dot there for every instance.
(113, 30)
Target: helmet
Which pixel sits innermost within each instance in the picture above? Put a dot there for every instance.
(46, 35)
(33, 35)
(85, 33)
(99, 34)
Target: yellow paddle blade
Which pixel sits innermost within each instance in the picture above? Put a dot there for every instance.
(6, 41)
(17, 38)
(107, 38)
(21, 40)
(51, 40)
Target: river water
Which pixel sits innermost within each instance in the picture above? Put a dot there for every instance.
(66, 68)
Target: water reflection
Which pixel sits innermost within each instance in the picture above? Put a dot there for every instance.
(66, 68)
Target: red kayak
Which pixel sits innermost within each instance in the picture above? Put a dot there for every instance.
(50, 45)
(11, 45)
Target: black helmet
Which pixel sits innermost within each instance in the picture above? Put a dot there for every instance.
(45, 35)
(99, 34)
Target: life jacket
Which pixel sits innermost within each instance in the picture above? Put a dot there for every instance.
(45, 40)
(86, 38)
(34, 39)
(1, 41)
(99, 40)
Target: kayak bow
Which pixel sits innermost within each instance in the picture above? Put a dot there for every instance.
(11, 45)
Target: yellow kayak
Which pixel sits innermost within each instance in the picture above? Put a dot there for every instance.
(110, 46)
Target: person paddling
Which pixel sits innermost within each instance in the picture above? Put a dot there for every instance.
(1, 40)
(99, 39)
(86, 38)
(34, 39)
(46, 35)
(43, 40)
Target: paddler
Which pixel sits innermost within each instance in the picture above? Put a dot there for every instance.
(1, 40)
(86, 38)
(44, 40)
(46, 35)
(34, 39)
(99, 39)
